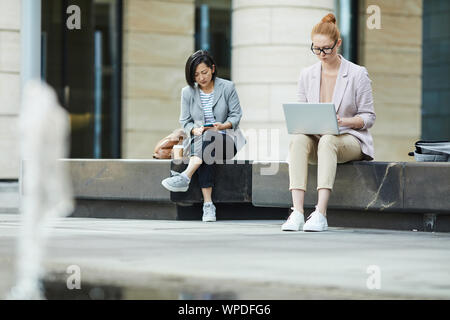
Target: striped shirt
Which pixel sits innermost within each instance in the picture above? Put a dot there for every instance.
(207, 102)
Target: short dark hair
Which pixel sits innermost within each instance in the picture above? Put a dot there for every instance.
(198, 57)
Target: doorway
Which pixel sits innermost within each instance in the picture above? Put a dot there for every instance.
(84, 66)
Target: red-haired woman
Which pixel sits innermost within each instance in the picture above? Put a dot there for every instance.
(331, 80)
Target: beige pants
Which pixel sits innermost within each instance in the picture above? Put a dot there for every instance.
(326, 151)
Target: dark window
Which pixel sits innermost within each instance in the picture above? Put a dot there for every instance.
(213, 32)
(347, 19)
(436, 70)
(84, 67)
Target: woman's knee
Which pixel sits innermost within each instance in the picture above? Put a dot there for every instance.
(300, 140)
(327, 141)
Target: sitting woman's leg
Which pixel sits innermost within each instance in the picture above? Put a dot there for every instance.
(214, 151)
(195, 160)
(194, 163)
(207, 194)
(331, 151)
(206, 181)
(323, 195)
(302, 149)
(179, 182)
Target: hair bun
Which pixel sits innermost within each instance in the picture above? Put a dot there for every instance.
(329, 18)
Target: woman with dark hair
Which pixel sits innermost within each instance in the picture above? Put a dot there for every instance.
(210, 115)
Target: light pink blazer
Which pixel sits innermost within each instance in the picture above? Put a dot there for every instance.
(352, 96)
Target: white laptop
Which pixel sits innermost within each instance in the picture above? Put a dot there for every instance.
(311, 118)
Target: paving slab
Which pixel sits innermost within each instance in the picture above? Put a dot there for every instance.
(245, 259)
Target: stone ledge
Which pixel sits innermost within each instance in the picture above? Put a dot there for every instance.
(397, 195)
(233, 185)
(362, 185)
(120, 179)
(359, 185)
(9, 197)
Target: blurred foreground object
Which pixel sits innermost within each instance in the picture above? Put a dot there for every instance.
(46, 187)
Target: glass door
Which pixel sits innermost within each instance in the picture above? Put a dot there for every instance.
(83, 65)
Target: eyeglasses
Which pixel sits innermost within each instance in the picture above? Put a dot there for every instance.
(317, 51)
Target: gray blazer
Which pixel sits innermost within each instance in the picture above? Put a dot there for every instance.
(226, 107)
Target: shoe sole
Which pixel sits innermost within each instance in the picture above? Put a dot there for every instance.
(315, 230)
(291, 229)
(173, 189)
(209, 220)
(300, 227)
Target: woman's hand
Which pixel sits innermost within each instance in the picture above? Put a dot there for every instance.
(355, 122)
(222, 126)
(198, 131)
(216, 127)
(342, 122)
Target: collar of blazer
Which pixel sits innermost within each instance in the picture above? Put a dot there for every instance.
(218, 91)
(341, 83)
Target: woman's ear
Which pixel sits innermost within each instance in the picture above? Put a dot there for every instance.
(338, 45)
(213, 68)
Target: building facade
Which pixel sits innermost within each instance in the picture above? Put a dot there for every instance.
(10, 53)
(120, 74)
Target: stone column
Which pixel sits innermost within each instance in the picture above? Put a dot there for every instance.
(271, 42)
(31, 41)
(158, 37)
(10, 53)
(393, 58)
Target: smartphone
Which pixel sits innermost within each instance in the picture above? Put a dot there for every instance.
(209, 125)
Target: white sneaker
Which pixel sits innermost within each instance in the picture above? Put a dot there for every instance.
(316, 222)
(176, 183)
(295, 221)
(209, 212)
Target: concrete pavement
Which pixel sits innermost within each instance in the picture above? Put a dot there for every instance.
(239, 260)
